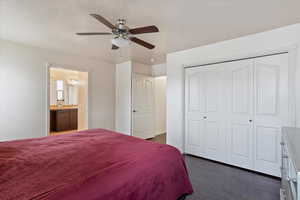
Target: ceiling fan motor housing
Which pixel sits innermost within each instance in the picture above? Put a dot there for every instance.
(121, 30)
(121, 21)
(121, 24)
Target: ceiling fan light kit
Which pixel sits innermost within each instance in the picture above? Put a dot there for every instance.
(120, 42)
(123, 34)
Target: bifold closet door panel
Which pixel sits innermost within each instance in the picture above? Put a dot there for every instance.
(239, 113)
(271, 109)
(204, 112)
(215, 135)
(195, 111)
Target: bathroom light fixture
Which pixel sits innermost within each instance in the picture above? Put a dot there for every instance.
(73, 82)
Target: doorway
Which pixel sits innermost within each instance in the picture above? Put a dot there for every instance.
(68, 101)
(149, 107)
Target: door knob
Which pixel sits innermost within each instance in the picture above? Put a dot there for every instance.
(204, 117)
(134, 111)
(250, 120)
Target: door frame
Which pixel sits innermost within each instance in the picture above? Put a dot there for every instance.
(292, 51)
(48, 66)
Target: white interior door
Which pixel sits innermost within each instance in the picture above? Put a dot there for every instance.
(204, 112)
(239, 84)
(271, 108)
(142, 106)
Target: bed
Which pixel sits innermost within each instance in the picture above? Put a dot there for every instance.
(91, 165)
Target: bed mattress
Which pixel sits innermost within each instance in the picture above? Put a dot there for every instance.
(91, 165)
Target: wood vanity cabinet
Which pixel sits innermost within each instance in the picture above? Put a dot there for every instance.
(63, 120)
(73, 119)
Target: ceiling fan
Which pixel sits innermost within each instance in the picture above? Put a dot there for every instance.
(122, 34)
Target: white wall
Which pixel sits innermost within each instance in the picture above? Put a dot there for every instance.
(140, 68)
(23, 89)
(159, 73)
(160, 84)
(159, 69)
(123, 97)
(252, 45)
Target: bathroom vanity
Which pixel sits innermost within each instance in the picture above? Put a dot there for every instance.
(63, 118)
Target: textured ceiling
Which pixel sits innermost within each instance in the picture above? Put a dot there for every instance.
(183, 24)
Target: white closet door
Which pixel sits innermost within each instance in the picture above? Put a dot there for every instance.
(205, 133)
(271, 111)
(239, 83)
(235, 111)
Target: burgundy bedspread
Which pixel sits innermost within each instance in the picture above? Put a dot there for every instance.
(91, 165)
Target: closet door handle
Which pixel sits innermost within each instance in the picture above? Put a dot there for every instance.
(250, 120)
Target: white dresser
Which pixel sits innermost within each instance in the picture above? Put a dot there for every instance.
(290, 169)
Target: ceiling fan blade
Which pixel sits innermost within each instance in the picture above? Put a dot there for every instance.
(103, 21)
(142, 42)
(93, 33)
(146, 29)
(114, 47)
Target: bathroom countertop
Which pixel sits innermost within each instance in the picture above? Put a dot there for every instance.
(63, 107)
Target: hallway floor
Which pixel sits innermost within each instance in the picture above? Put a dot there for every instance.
(159, 138)
(62, 132)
